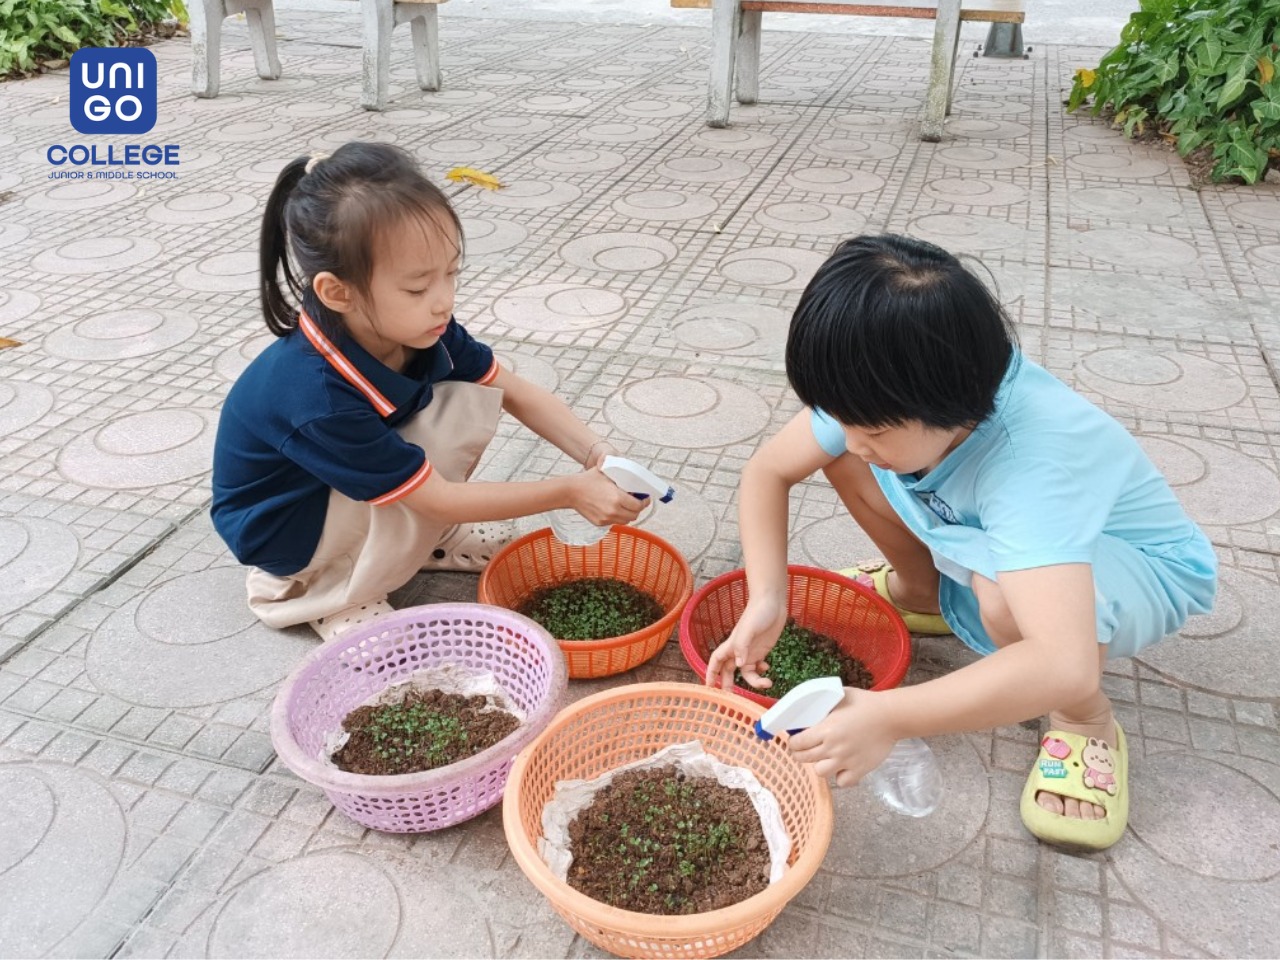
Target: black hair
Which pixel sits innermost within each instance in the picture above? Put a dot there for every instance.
(892, 329)
(329, 219)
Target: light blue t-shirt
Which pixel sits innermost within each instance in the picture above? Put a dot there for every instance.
(1048, 478)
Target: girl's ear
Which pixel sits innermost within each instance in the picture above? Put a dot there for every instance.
(334, 293)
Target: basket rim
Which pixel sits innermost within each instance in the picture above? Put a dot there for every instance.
(690, 926)
(699, 664)
(666, 624)
(313, 771)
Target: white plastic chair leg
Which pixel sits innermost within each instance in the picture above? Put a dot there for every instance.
(749, 57)
(379, 19)
(726, 24)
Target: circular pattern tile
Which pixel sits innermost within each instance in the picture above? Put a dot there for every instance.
(21, 405)
(464, 150)
(485, 235)
(982, 128)
(329, 138)
(666, 206)
(333, 903)
(96, 255)
(207, 206)
(1122, 166)
(17, 305)
(962, 232)
(512, 125)
(780, 268)
(448, 96)
(984, 159)
(193, 159)
(1231, 650)
(59, 858)
(850, 148)
(648, 109)
(262, 171)
(223, 652)
(579, 161)
(619, 252)
(414, 117)
(559, 307)
(1139, 302)
(734, 328)
(121, 335)
(733, 140)
(1133, 204)
(687, 412)
(80, 195)
(35, 556)
(989, 107)
(249, 131)
(1167, 381)
(531, 195)
(687, 522)
(756, 114)
(834, 181)
(1218, 485)
(141, 450)
(1132, 248)
(1258, 213)
(835, 543)
(976, 192)
(1266, 256)
(870, 123)
(703, 169)
(231, 363)
(593, 84)
(500, 79)
(619, 132)
(883, 101)
(11, 233)
(811, 219)
(222, 273)
(531, 368)
(556, 103)
(312, 109)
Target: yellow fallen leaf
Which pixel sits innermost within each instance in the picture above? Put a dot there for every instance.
(1266, 68)
(1087, 77)
(6, 343)
(478, 177)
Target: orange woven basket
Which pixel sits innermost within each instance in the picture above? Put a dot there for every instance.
(645, 561)
(861, 622)
(602, 732)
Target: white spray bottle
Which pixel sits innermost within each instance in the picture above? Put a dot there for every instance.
(907, 780)
(572, 528)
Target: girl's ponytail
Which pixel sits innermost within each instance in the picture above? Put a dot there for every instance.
(279, 310)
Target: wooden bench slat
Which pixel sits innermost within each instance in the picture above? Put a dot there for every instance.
(985, 11)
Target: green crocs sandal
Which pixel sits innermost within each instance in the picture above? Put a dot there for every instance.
(1086, 769)
(875, 574)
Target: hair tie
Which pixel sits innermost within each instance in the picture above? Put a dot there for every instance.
(315, 158)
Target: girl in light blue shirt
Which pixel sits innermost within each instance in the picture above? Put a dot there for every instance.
(1009, 509)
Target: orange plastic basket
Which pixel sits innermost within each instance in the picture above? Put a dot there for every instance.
(639, 558)
(862, 622)
(602, 732)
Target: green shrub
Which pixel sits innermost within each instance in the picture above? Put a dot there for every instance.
(1201, 71)
(33, 31)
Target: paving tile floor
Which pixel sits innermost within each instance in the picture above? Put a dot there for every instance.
(643, 266)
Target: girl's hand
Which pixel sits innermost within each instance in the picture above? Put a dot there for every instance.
(850, 742)
(601, 500)
(597, 452)
(753, 636)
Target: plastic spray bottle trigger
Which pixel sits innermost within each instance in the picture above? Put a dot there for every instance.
(907, 781)
(572, 528)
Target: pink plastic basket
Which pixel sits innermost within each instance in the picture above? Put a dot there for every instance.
(345, 672)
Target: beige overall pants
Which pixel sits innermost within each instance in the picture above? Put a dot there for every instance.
(365, 552)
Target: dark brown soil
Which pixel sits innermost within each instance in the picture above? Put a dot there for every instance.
(425, 730)
(593, 608)
(802, 654)
(656, 841)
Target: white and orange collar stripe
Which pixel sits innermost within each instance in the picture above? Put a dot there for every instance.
(324, 346)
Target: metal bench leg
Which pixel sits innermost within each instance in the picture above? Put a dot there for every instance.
(379, 20)
(206, 46)
(726, 25)
(946, 32)
(749, 57)
(426, 46)
(262, 35)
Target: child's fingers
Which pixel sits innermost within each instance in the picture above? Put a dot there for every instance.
(807, 746)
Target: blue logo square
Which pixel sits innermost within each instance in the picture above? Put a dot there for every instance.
(113, 90)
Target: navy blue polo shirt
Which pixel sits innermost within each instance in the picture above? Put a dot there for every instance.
(309, 415)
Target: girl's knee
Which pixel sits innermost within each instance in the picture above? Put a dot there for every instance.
(997, 619)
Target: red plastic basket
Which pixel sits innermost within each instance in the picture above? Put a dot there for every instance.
(862, 622)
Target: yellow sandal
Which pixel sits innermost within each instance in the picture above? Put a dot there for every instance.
(1085, 769)
(875, 574)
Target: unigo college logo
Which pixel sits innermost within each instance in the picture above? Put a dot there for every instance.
(113, 92)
